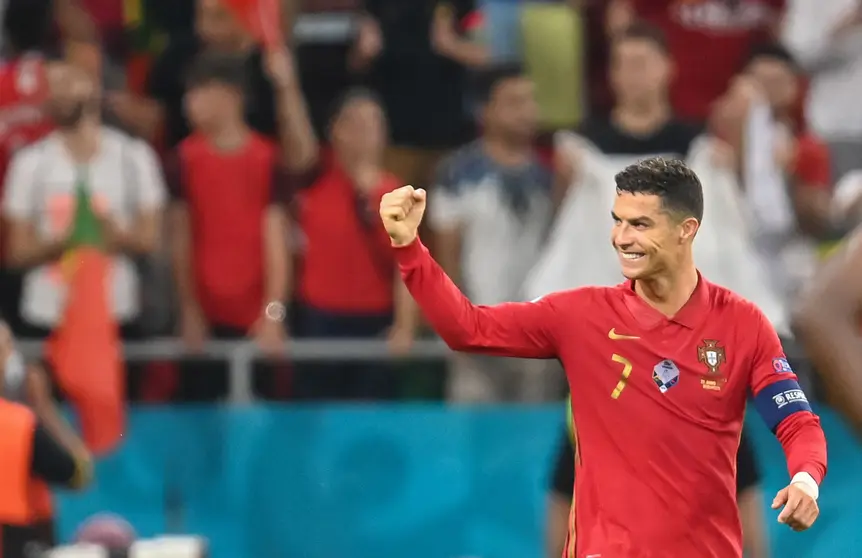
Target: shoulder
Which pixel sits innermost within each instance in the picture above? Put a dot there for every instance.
(262, 147)
(735, 308)
(580, 297)
(126, 142)
(464, 164)
(34, 153)
(596, 128)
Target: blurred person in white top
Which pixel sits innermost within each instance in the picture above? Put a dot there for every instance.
(825, 36)
(125, 184)
(491, 210)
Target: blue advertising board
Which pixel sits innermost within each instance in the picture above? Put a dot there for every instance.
(385, 481)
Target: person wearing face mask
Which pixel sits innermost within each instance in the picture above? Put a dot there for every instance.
(39, 449)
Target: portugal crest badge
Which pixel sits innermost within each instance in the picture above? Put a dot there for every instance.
(712, 356)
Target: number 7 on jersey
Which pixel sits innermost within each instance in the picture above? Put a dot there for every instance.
(624, 378)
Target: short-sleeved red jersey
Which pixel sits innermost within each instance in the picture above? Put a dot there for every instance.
(23, 91)
(658, 403)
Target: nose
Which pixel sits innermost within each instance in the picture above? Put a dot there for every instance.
(621, 236)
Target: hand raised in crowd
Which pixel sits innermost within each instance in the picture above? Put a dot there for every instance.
(280, 67)
(194, 329)
(270, 334)
(444, 32)
(723, 155)
(401, 211)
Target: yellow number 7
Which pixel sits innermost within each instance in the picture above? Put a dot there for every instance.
(627, 370)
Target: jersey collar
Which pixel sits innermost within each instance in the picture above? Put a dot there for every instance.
(690, 315)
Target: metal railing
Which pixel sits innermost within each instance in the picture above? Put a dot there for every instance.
(241, 355)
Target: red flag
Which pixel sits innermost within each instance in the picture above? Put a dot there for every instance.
(85, 352)
(261, 18)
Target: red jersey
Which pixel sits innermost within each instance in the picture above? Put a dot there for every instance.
(347, 265)
(227, 195)
(658, 403)
(719, 31)
(23, 92)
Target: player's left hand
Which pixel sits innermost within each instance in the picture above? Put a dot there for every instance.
(800, 507)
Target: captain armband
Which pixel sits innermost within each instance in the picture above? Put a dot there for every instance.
(779, 400)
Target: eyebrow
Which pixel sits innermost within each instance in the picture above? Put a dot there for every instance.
(641, 218)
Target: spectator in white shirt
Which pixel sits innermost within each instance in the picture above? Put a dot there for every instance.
(825, 36)
(126, 188)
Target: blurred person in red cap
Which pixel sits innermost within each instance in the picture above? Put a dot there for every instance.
(38, 448)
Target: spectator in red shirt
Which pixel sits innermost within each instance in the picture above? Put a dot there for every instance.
(348, 286)
(230, 252)
(709, 39)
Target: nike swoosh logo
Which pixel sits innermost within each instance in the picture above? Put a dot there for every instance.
(612, 334)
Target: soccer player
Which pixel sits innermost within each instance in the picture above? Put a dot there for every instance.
(828, 326)
(659, 368)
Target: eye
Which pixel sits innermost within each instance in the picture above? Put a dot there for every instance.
(640, 226)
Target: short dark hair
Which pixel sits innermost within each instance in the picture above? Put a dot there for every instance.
(210, 67)
(642, 31)
(772, 51)
(486, 81)
(27, 24)
(671, 180)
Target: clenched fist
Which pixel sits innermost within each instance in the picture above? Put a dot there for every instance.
(401, 211)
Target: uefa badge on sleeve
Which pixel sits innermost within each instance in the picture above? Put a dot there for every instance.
(781, 366)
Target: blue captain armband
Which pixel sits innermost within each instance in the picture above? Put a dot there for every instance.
(779, 400)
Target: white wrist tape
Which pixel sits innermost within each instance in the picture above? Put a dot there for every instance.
(807, 483)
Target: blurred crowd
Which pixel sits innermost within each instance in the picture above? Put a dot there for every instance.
(234, 153)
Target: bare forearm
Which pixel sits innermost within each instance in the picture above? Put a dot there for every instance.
(276, 261)
(298, 140)
(468, 53)
(181, 258)
(35, 252)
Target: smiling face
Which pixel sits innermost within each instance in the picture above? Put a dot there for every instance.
(648, 238)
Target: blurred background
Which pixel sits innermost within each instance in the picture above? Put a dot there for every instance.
(278, 393)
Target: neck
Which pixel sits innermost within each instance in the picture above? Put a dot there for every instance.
(668, 293)
(642, 119)
(507, 153)
(229, 136)
(82, 140)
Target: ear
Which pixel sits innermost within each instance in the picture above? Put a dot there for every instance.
(688, 229)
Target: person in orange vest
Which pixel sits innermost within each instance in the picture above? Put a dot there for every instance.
(38, 448)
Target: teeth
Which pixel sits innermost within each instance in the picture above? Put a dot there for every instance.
(631, 256)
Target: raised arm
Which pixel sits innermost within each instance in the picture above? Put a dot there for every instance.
(827, 324)
(526, 329)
